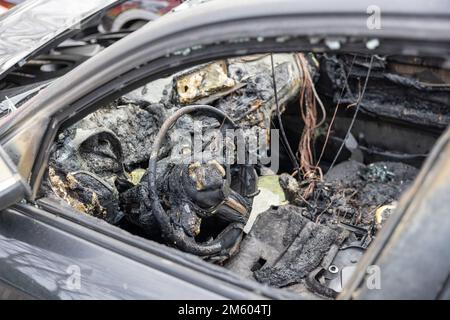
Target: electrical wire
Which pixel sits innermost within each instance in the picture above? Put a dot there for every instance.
(335, 112)
(280, 122)
(358, 104)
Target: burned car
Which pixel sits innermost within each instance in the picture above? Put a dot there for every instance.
(218, 153)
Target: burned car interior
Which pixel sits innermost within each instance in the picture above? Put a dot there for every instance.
(188, 160)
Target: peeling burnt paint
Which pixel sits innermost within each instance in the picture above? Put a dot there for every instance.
(418, 96)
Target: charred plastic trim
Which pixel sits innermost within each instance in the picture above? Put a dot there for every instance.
(175, 234)
(403, 250)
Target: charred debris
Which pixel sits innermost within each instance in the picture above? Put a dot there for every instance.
(353, 132)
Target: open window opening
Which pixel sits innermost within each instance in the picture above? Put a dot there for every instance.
(282, 168)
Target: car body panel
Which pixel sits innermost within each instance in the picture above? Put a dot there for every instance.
(34, 24)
